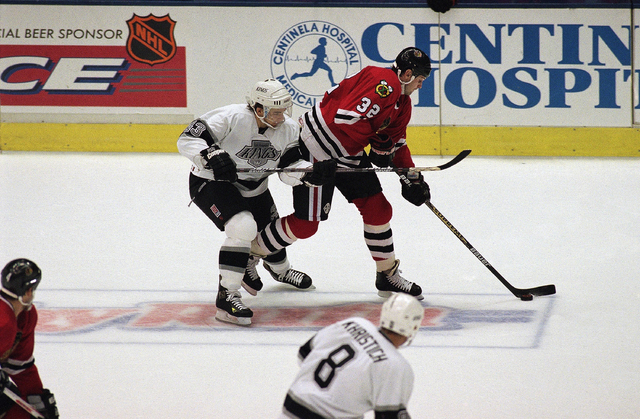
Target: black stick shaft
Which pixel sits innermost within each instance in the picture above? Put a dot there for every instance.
(518, 292)
(444, 166)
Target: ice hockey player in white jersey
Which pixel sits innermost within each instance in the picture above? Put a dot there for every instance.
(257, 134)
(352, 367)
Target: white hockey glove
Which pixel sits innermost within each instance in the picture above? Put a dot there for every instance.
(294, 178)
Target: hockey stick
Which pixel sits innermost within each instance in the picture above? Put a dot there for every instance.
(525, 294)
(400, 171)
(447, 165)
(20, 402)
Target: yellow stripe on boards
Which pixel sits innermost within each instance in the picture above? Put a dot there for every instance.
(423, 140)
(90, 137)
(525, 141)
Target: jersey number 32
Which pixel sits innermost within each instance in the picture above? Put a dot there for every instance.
(365, 104)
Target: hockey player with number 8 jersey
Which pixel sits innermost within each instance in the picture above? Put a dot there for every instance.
(352, 367)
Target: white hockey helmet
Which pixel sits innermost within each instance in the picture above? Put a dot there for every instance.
(270, 94)
(402, 314)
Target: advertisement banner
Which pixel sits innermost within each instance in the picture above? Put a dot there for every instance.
(151, 64)
(89, 77)
(562, 67)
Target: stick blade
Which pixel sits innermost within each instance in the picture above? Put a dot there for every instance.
(455, 160)
(538, 291)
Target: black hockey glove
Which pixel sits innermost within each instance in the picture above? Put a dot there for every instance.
(416, 191)
(323, 172)
(219, 161)
(382, 150)
(441, 6)
(45, 404)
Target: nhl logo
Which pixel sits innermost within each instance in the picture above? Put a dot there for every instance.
(151, 39)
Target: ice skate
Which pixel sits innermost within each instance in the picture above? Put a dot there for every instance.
(390, 281)
(251, 281)
(231, 309)
(298, 279)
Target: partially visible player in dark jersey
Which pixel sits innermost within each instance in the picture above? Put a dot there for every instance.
(369, 108)
(18, 319)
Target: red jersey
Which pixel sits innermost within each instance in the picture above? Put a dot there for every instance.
(16, 347)
(350, 115)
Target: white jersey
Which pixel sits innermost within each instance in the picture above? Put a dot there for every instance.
(235, 130)
(348, 369)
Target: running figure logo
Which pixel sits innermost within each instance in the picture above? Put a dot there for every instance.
(319, 63)
(307, 47)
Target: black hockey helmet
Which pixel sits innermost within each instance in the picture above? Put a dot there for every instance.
(414, 59)
(18, 276)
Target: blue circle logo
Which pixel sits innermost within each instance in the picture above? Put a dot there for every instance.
(311, 57)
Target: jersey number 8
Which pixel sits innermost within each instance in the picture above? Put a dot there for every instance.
(326, 370)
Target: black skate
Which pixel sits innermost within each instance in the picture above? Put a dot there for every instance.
(251, 281)
(231, 309)
(298, 279)
(390, 281)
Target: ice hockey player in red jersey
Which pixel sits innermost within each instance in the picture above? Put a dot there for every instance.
(352, 367)
(369, 108)
(18, 319)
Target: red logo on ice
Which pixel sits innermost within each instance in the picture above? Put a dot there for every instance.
(151, 39)
(194, 315)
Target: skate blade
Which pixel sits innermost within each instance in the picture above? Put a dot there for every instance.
(291, 286)
(223, 316)
(387, 294)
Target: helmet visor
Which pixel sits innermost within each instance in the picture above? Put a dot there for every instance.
(274, 117)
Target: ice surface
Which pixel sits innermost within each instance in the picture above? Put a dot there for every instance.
(120, 249)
